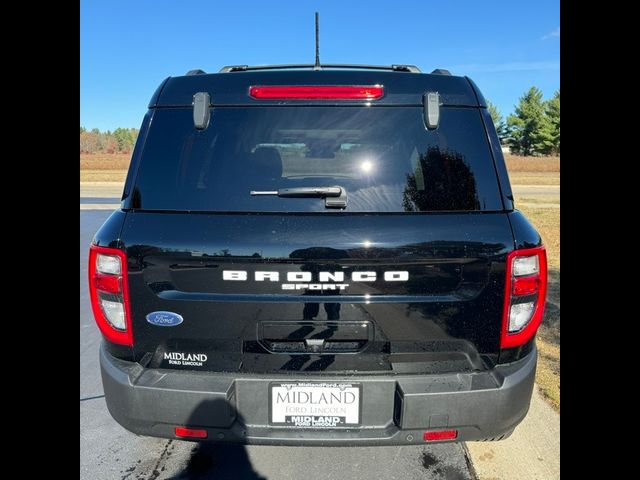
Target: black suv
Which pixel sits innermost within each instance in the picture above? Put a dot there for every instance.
(314, 256)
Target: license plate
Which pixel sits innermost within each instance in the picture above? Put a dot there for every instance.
(315, 405)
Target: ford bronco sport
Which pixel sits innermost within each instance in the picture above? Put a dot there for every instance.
(311, 256)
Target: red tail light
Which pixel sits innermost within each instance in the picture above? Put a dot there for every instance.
(436, 435)
(317, 92)
(525, 296)
(185, 432)
(109, 292)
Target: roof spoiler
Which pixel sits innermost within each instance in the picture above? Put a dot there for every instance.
(311, 66)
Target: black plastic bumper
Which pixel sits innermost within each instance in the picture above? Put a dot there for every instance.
(396, 410)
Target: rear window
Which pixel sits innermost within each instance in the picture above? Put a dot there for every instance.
(383, 156)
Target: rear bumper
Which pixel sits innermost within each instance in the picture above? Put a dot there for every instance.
(396, 410)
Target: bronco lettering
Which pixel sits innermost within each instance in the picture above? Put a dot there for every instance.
(324, 277)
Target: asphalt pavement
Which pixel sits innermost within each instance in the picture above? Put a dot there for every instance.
(108, 451)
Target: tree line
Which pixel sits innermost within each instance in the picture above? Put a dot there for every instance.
(121, 140)
(533, 128)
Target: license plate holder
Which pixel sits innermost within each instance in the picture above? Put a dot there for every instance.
(315, 405)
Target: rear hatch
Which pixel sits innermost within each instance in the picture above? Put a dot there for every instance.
(407, 278)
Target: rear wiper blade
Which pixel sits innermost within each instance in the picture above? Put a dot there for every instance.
(334, 197)
(300, 192)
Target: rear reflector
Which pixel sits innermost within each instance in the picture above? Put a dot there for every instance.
(109, 293)
(317, 92)
(524, 297)
(185, 432)
(435, 435)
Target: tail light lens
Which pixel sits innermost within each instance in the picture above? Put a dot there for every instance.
(525, 296)
(317, 92)
(109, 292)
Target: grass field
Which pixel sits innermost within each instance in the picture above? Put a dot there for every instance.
(522, 171)
(104, 161)
(534, 178)
(91, 175)
(104, 167)
(516, 164)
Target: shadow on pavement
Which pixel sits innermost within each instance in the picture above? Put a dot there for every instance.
(209, 460)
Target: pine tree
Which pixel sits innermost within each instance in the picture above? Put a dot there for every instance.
(529, 128)
(543, 135)
(498, 122)
(124, 138)
(552, 110)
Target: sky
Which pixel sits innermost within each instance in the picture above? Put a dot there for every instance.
(128, 47)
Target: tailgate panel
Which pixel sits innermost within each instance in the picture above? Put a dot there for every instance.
(341, 293)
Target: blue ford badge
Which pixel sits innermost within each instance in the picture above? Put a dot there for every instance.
(164, 319)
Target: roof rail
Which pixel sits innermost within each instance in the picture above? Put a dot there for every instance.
(197, 71)
(395, 68)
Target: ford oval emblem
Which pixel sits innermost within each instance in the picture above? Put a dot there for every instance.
(164, 319)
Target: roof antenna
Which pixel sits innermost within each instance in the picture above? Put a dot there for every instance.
(317, 65)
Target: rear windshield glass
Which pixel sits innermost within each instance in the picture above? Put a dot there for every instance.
(384, 158)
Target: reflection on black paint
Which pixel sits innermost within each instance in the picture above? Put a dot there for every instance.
(298, 362)
(442, 182)
(460, 320)
(302, 332)
(312, 309)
